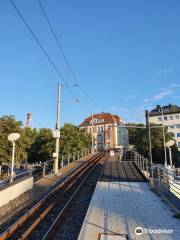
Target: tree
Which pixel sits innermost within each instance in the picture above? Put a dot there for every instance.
(38, 145)
(8, 125)
(73, 139)
(138, 138)
(43, 146)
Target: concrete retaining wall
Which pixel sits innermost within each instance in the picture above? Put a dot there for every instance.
(15, 189)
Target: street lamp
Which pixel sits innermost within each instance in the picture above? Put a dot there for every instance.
(164, 138)
(169, 145)
(12, 138)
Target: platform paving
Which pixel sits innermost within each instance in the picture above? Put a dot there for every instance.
(120, 207)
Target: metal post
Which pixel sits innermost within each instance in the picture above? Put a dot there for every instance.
(12, 163)
(92, 138)
(44, 169)
(151, 182)
(62, 162)
(68, 158)
(164, 137)
(58, 131)
(149, 137)
(170, 157)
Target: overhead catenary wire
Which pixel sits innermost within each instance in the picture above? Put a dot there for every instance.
(61, 51)
(47, 55)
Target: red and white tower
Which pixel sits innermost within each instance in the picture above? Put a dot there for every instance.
(28, 119)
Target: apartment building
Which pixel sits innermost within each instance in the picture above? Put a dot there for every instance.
(171, 116)
(108, 130)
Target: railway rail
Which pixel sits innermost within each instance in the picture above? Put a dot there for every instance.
(52, 206)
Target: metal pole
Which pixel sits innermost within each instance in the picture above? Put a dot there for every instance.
(12, 163)
(164, 137)
(58, 131)
(92, 138)
(44, 169)
(68, 159)
(170, 157)
(149, 136)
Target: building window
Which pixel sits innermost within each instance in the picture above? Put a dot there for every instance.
(177, 125)
(177, 116)
(178, 135)
(159, 118)
(178, 144)
(165, 118)
(102, 129)
(171, 127)
(171, 117)
(99, 129)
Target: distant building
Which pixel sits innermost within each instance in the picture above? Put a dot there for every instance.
(108, 130)
(171, 115)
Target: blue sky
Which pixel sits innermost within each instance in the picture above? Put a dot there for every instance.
(125, 54)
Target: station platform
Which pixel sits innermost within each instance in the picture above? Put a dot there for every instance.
(118, 207)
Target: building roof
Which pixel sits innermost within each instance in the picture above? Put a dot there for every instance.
(168, 109)
(106, 117)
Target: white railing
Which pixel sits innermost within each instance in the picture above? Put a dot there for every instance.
(40, 169)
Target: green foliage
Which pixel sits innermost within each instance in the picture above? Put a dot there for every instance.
(39, 145)
(73, 139)
(138, 138)
(42, 147)
(8, 125)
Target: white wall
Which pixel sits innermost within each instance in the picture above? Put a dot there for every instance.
(168, 122)
(14, 190)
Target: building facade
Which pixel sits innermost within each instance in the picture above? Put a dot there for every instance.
(170, 114)
(108, 131)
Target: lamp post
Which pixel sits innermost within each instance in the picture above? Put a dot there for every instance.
(169, 145)
(12, 138)
(164, 138)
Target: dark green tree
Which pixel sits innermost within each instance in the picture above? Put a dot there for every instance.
(43, 146)
(73, 139)
(138, 138)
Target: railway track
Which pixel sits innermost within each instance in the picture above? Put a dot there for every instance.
(38, 222)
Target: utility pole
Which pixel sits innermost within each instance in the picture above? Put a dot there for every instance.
(149, 136)
(57, 132)
(164, 137)
(151, 181)
(92, 138)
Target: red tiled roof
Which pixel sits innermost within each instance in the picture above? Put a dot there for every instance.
(108, 118)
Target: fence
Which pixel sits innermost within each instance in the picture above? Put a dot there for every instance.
(41, 169)
(140, 161)
(164, 181)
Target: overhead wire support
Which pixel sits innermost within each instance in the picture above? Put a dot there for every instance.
(64, 55)
(46, 54)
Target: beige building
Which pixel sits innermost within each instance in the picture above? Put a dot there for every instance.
(171, 118)
(108, 130)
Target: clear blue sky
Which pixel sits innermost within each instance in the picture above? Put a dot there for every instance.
(126, 54)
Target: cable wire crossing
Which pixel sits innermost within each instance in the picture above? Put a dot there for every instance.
(64, 55)
(47, 55)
